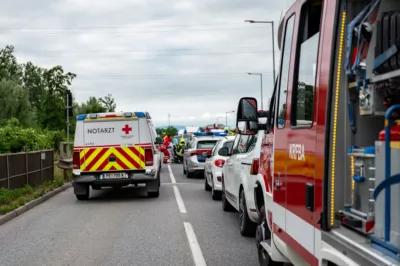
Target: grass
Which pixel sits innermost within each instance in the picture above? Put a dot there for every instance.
(11, 199)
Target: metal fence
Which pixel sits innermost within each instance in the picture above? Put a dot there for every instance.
(30, 168)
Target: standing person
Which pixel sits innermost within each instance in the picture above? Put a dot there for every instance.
(165, 148)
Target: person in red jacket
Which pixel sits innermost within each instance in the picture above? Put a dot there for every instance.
(165, 148)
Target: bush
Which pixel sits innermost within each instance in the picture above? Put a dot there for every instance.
(14, 138)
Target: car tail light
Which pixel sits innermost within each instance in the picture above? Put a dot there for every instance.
(254, 166)
(148, 157)
(219, 163)
(76, 161)
(192, 153)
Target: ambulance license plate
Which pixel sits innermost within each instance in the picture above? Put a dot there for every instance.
(114, 176)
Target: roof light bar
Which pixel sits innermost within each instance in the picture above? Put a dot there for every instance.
(128, 114)
(92, 116)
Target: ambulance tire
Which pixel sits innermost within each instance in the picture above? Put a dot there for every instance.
(247, 226)
(155, 194)
(83, 196)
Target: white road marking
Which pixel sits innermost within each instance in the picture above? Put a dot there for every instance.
(194, 245)
(179, 200)
(171, 175)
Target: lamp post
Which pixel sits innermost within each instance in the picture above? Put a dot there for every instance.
(259, 74)
(273, 44)
(226, 117)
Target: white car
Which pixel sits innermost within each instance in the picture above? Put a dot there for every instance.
(115, 150)
(238, 181)
(213, 168)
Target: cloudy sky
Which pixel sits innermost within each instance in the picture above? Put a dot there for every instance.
(187, 58)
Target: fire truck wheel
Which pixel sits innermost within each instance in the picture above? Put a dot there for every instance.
(247, 227)
(226, 206)
(206, 185)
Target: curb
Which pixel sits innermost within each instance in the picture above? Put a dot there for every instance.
(32, 204)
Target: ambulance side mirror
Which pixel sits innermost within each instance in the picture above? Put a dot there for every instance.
(159, 140)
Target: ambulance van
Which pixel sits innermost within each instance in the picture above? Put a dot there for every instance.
(115, 150)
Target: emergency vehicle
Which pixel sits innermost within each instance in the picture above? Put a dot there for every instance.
(115, 150)
(327, 189)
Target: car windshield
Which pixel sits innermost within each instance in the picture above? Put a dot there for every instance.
(206, 144)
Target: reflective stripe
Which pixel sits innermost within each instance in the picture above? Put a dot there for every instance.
(97, 159)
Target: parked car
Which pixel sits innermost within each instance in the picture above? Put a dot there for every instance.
(239, 174)
(213, 168)
(193, 158)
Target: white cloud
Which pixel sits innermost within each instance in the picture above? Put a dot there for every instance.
(154, 62)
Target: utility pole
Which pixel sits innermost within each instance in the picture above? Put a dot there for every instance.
(68, 109)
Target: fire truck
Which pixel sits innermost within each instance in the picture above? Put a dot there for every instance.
(328, 178)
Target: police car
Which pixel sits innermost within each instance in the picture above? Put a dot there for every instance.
(197, 151)
(115, 150)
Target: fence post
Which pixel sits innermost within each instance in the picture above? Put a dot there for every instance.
(41, 167)
(26, 165)
(8, 172)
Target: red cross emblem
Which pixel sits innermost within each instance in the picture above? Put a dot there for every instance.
(127, 129)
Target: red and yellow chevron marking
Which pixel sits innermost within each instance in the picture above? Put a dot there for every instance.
(96, 159)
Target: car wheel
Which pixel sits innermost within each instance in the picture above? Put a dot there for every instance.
(206, 185)
(215, 195)
(226, 206)
(247, 227)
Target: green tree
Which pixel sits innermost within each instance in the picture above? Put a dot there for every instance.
(14, 103)
(168, 130)
(93, 105)
(9, 67)
(108, 103)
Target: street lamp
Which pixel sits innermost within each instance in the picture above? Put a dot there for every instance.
(226, 117)
(273, 44)
(261, 88)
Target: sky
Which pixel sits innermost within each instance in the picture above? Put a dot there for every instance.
(188, 58)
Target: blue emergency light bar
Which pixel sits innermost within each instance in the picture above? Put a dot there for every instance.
(126, 114)
(219, 134)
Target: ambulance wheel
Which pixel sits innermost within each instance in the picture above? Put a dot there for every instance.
(247, 227)
(83, 196)
(226, 206)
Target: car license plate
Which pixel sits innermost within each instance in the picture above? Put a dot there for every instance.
(114, 175)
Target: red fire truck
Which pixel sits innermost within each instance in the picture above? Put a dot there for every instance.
(328, 186)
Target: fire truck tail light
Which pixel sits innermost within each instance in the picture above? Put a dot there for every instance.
(148, 157)
(76, 161)
(254, 166)
(219, 163)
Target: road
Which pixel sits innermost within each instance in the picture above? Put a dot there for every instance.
(184, 226)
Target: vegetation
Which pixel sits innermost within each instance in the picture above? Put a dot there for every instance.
(15, 198)
(32, 103)
(168, 130)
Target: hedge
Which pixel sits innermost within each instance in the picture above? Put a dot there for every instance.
(14, 138)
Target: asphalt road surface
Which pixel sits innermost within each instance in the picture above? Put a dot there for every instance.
(184, 226)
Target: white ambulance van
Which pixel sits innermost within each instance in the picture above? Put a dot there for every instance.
(115, 150)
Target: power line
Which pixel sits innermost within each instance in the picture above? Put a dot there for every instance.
(158, 55)
(158, 76)
(144, 50)
(120, 27)
(9, 32)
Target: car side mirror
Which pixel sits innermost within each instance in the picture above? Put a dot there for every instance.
(224, 151)
(159, 140)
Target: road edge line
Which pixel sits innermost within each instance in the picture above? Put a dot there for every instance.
(194, 245)
(32, 204)
(179, 200)
(171, 174)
